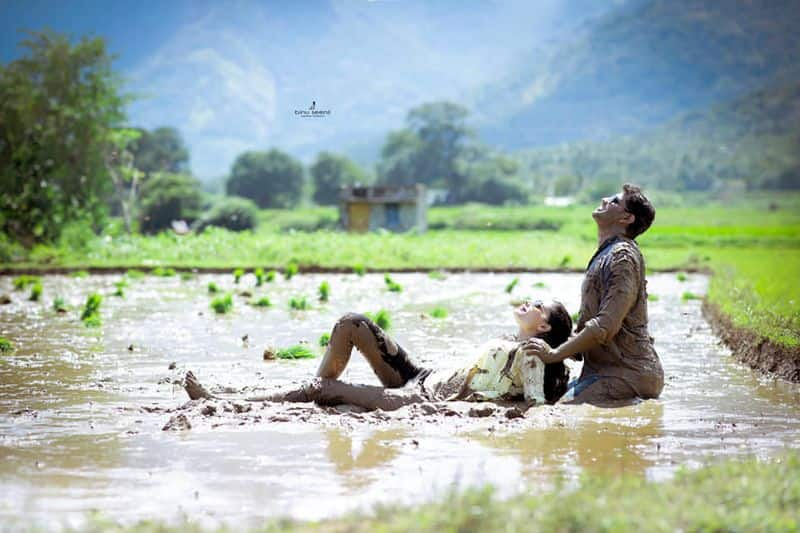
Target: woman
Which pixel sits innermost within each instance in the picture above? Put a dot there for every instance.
(505, 370)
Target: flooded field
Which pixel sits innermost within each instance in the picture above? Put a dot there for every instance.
(82, 409)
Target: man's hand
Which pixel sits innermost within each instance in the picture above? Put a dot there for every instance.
(540, 349)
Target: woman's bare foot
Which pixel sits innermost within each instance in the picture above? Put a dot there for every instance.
(194, 389)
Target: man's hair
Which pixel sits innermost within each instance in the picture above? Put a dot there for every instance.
(640, 207)
(560, 325)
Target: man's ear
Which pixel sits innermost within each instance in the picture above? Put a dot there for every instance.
(628, 219)
(544, 327)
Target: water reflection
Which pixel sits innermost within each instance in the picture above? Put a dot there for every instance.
(355, 460)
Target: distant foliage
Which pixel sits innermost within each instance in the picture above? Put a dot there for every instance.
(330, 172)
(160, 150)
(230, 212)
(59, 104)
(270, 179)
(167, 197)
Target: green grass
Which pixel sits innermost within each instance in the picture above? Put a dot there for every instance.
(222, 304)
(324, 339)
(510, 287)
(735, 495)
(59, 306)
(392, 285)
(438, 312)
(91, 310)
(297, 351)
(36, 291)
(23, 281)
(324, 291)
(381, 317)
(299, 303)
(262, 302)
(5, 345)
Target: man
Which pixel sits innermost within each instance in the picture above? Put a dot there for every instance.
(620, 362)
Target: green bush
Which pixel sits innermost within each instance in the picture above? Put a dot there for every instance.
(230, 212)
(166, 197)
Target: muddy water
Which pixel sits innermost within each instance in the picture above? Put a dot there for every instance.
(82, 409)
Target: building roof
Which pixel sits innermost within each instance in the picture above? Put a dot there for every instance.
(383, 194)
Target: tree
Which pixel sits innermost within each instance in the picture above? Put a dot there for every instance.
(167, 197)
(58, 105)
(429, 148)
(119, 163)
(492, 179)
(160, 150)
(270, 179)
(330, 172)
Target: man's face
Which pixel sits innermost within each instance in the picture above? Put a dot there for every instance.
(612, 209)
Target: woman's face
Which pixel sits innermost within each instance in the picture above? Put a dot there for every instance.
(533, 317)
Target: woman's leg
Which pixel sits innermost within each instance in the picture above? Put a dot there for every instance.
(388, 360)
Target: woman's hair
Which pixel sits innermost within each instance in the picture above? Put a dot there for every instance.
(560, 325)
(556, 375)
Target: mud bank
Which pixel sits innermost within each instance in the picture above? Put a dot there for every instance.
(753, 349)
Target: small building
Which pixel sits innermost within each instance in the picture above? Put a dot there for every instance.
(395, 208)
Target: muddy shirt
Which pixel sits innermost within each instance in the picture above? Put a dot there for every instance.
(497, 373)
(614, 308)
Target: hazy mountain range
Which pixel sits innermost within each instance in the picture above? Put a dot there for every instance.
(230, 75)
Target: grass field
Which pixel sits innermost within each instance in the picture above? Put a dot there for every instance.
(752, 244)
(730, 496)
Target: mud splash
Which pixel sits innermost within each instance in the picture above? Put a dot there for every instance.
(83, 410)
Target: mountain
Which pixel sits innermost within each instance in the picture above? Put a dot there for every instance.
(752, 139)
(641, 65)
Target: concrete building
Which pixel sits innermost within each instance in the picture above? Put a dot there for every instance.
(395, 208)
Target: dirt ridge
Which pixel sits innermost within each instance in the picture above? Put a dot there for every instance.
(752, 349)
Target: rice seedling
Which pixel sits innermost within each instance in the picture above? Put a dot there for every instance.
(259, 274)
(381, 318)
(299, 303)
(59, 306)
(297, 351)
(324, 291)
(36, 291)
(686, 296)
(324, 339)
(510, 286)
(290, 271)
(237, 275)
(540, 285)
(437, 275)
(391, 284)
(5, 345)
(134, 274)
(438, 312)
(79, 274)
(120, 287)
(270, 277)
(681, 276)
(91, 310)
(222, 304)
(652, 297)
(565, 261)
(262, 302)
(575, 317)
(163, 272)
(22, 282)
(212, 288)
(359, 269)
(187, 276)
